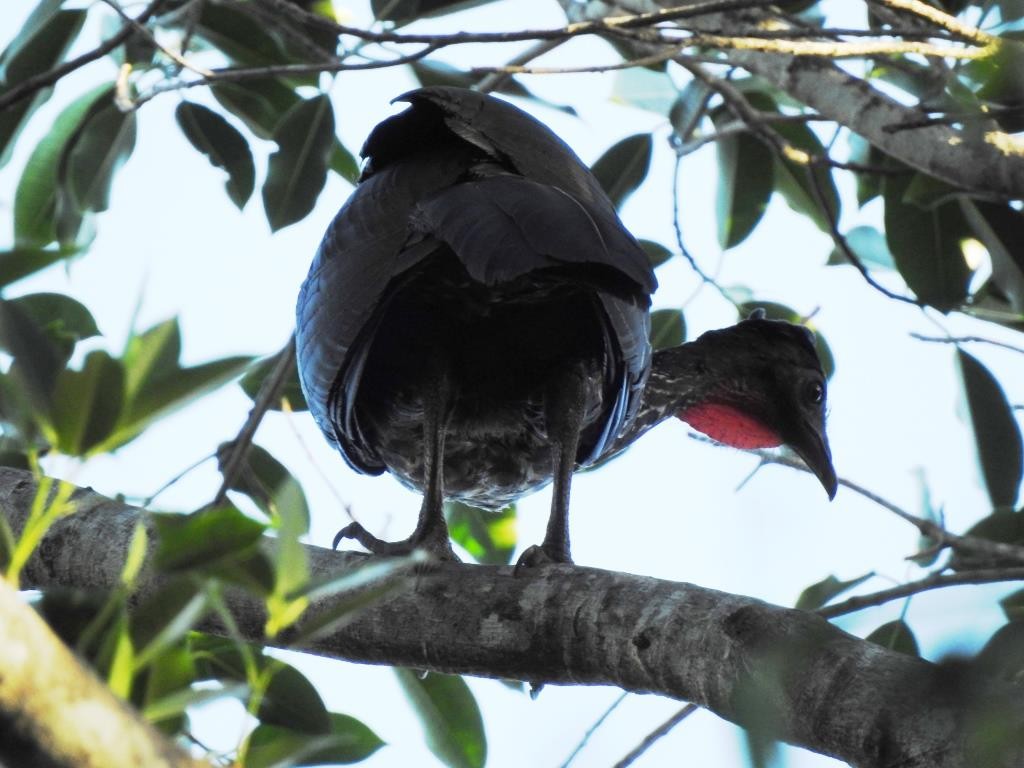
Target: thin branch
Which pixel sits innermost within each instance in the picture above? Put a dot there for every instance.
(992, 549)
(237, 74)
(495, 80)
(590, 27)
(691, 260)
(844, 246)
(30, 85)
(270, 389)
(967, 340)
(940, 19)
(932, 581)
(177, 58)
(592, 729)
(656, 734)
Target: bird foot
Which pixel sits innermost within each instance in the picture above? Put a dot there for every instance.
(542, 555)
(436, 546)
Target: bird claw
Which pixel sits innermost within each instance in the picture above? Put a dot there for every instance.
(540, 555)
(433, 545)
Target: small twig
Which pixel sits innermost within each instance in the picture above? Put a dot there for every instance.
(973, 544)
(932, 581)
(30, 85)
(177, 58)
(270, 389)
(691, 260)
(495, 80)
(656, 734)
(943, 20)
(238, 74)
(191, 467)
(844, 246)
(967, 340)
(592, 729)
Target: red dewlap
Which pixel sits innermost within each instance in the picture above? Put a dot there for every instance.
(730, 426)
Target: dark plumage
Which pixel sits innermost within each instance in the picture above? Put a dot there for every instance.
(476, 318)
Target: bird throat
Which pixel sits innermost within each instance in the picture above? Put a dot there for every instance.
(730, 426)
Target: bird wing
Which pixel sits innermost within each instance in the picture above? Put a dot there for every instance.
(530, 149)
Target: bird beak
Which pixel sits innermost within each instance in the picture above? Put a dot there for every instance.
(811, 444)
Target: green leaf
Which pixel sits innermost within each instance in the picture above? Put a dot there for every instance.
(668, 328)
(59, 316)
(489, 537)
(926, 246)
(657, 254)
(644, 89)
(298, 169)
(896, 636)
(817, 595)
(352, 591)
(688, 110)
(343, 163)
(272, 487)
(37, 360)
(349, 741)
(745, 182)
(167, 691)
(155, 384)
(17, 263)
(1000, 228)
(41, 44)
(204, 538)
(794, 181)
(224, 146)
(87, 403)
(102, 145)
(35, 201)
(1002, 658)
(624, 166)
(869, 185)
(449, 715)
(775, 311)
(260, 104)
(1013, 605)
(291, 391)
(244, 37)
(868, 245)
(996, 433)
(291, 701)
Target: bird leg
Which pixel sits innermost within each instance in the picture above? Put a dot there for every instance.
(564, 411)
(431, 533)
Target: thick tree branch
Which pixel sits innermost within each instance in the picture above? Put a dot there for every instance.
(828, 691)
(986, 162)
(55, 713)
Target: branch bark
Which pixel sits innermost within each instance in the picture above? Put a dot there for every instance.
(826, 690)
(54, 713)
(989, 163)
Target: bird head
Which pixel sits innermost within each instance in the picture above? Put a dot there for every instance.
(764, 387)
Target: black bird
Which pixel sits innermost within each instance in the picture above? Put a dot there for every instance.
(476, 322)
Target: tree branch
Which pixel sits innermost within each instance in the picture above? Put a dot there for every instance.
(986, 162)
(55, 712)
(828, 691)
(30, 85)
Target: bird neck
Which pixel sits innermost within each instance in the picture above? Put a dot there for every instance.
(684, 382)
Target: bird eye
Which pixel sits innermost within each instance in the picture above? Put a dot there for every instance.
(814, 393)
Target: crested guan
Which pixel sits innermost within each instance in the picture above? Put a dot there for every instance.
(476, 322)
